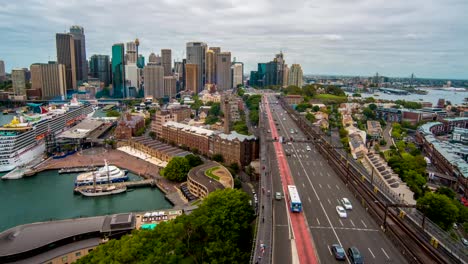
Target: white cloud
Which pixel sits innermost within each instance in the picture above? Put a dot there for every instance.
(333, 36)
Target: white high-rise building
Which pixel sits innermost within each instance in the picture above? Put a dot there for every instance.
(18, 78)
(131, 56)
(237, 74)
(296, 75)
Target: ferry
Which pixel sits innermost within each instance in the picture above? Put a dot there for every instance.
(106, 174)
(22, 140)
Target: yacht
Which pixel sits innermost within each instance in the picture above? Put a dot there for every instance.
(106, 174)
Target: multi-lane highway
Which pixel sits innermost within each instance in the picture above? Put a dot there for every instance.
(320, 190)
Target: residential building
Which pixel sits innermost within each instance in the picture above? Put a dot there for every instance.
(296, 75)
(80, 53)
(196, 55)
(49, 79)
(66, 55)
(237, 69)
(223, 71)
(18, 78)
(118, 71)
(210, 66)
(166, 61)
(169, 86)
(154, 80)
(100, 68)
(191, 78)
(374, 129)
(176, 114)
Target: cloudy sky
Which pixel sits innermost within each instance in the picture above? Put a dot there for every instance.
(351, 37)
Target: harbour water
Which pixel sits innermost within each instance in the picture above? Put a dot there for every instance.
(433, 95)
(49, 196)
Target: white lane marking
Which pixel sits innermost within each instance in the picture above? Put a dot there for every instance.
(346, 228)
(385, 253)
(298, 173)
(371, 252)
(364, 224)
(320, 185)
(352, 223)
(328, 174)
(318, 221)
(329, 187)
(321, 174)
(321, 163)
(310, 201)
(303, 185)
(329, 249)
(341, 222)
(329, 201)
(337, 187)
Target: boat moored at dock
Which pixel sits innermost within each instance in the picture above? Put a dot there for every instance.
(106, 174)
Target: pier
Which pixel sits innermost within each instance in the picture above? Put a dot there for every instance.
(76, 169)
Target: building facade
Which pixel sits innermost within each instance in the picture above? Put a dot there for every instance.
(100, 68)
(237, 74)
(296, 77)
(50, 79)
(191, 78)
(80, 53)
(118, 71)
(210, 66)
(18, 79)
(66, 55)
(154, 59)
(223, 71)
(169, 86)
(166, 61)
(154, 80)
(2, 71)
(131, 56)
(196, 55)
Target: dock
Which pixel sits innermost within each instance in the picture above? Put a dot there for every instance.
(76, 169)
(128, 184)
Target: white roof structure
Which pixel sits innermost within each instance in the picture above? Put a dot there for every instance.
(293, 194)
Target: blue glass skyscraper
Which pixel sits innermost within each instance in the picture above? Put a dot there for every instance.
(118, 71)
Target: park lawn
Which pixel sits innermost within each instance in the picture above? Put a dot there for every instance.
(209, 173)
(330, 97)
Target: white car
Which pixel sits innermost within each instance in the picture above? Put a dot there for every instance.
(308, 148)
(346, 204)
(341, 211)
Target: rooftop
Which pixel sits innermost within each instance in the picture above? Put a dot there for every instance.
(193, 129)
(82, 130)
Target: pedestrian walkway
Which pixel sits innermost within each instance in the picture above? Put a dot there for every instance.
(143, 156)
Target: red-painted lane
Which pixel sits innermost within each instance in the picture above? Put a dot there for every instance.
(303, 238)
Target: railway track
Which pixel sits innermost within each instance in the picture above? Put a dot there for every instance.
(412, 245)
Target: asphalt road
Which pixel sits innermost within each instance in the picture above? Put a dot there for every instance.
(320, 190)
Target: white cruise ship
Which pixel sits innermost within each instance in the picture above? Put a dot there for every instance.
(102, 177)
(22, 140)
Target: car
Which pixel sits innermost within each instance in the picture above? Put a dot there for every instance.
(308, 148)
(341, 211)
(464, 241)
(338, 252)
(284, 119)
(354, 255)
(346, 204)
(278, 196)
(269, 131)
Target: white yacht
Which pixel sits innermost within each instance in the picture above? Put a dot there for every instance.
(106, 174)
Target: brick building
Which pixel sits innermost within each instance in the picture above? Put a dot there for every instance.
(173, 114)
(128, 126)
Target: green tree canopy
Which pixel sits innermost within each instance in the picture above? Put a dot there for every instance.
(310, 117)
(302, 107)
(176, 169)
(293, 90)
(194, 160)
(218, 157)
(219, 231)
(113, 113)
(439, 208)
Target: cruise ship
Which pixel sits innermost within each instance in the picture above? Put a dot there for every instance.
(101, 176)
(22, 140)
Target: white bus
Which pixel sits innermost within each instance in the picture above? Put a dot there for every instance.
(294, 200)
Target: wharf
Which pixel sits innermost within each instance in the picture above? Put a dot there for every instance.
(76, 169)
(128, 184)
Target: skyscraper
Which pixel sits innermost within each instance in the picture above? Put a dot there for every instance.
(196, 55)
(169, 86)
(279, 59)
(131, 57)
(166, 61)
(237, 74)
(210, 66)
(286, 71)
(154, 59)
(154, 80)
(50, 79)
(296, 75)
(223, 71)
(99, 68)
(2, 71)
(271, 73)
(66, 55)
(80, 52)
(141, 61)
(118, 71)
(18, 78)
(191, 78)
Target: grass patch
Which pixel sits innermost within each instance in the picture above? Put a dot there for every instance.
(329, 97)
(209, 173)
(387, 154)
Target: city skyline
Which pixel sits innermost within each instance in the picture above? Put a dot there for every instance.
(352, 38)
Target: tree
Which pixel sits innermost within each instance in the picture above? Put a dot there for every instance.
(372, 107)
(310, 117)
(176, 169)
(218, 157)
(113, 113)
(293, 90)
(219, 231)
(241, 127)
(234, 167)
(194, 160)
(315, 108)
(439, 208)
(152, 134)
(215, 109)
(446, 191)
(302, 107)
(368, 113)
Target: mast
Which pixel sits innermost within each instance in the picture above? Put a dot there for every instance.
(94, 181)
(107, 168)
